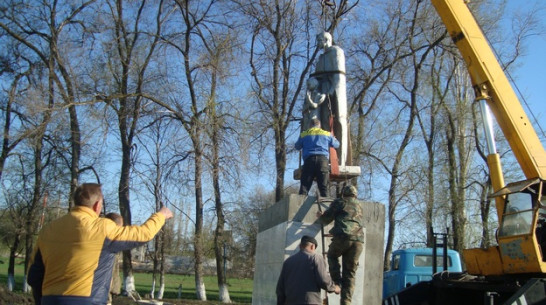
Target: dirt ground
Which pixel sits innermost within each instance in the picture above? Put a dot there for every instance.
(128, 301)
(11, 298)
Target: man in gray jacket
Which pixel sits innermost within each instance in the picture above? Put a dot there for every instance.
(303, 275)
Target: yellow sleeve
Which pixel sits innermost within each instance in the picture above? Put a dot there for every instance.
(142, 233)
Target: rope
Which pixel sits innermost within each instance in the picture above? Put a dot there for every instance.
(325, 4)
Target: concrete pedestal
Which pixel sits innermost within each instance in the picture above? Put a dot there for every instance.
(280, 230)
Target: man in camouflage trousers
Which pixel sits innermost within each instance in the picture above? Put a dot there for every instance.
(348, 239)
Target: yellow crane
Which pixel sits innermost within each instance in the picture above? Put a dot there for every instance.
(514, 271)
(519, 249)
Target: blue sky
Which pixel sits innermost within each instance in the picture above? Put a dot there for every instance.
(531, 80)
(530, 76)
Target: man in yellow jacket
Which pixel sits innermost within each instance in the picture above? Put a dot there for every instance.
(71, 263)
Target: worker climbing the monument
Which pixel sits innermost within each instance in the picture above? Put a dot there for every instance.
(315, 144)
(347, 241)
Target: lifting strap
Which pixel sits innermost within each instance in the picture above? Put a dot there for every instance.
(334, 162)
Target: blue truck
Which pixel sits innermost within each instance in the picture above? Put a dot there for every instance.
(411, 266)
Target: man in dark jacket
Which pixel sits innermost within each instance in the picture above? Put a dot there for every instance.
(315, 144)
(303, 275)
(347, 241)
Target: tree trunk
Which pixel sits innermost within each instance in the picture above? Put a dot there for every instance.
(125, 210)
(416, 64)
(219, 233)
(9, 142)
(161, 267)
(75, 141)
(485, 206)
(391, 232)
(38, 170)
(456, 187)
(199, 254)
(429, 209)
(31, 214)
(280, 162)
(128, 111)
(11, 265)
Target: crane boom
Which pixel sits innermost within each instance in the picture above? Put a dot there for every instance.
(491, 83)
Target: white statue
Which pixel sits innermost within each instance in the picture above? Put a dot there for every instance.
(313, 100)
(330, 72)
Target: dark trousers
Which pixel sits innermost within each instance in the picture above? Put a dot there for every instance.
(315, 166)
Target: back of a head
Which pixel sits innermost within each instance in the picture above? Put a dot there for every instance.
(87, 194)
(306, 240)
(115, 217)
(349, 191)
(315, 122)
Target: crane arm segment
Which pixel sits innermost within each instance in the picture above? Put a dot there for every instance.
(491, 83)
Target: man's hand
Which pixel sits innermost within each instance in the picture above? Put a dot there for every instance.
(319, 213)
(337, 289)
(166, 212)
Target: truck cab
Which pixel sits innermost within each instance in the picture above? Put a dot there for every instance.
(411, 266)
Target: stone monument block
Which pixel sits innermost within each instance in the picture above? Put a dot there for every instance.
(280, 229)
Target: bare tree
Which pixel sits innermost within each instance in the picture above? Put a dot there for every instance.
(428, 119)
(458, 155)
(281, 55)
(159, 173)
(220, 54)
(39, 38)
(407, 93)
(154, 180)
(373, 70)
(131, 53)
(244, 223)
(43, 35)
(37, 147)
(11, 138)
(198, 44)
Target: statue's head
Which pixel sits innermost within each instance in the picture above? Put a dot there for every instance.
(324, 40)
(312, 83)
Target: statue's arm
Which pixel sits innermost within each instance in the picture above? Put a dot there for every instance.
(310, 103)
(321, 98)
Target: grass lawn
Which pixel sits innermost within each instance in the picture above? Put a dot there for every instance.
(240, 290)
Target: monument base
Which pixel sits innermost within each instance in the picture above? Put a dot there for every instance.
(280, 229)
(344, 173)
